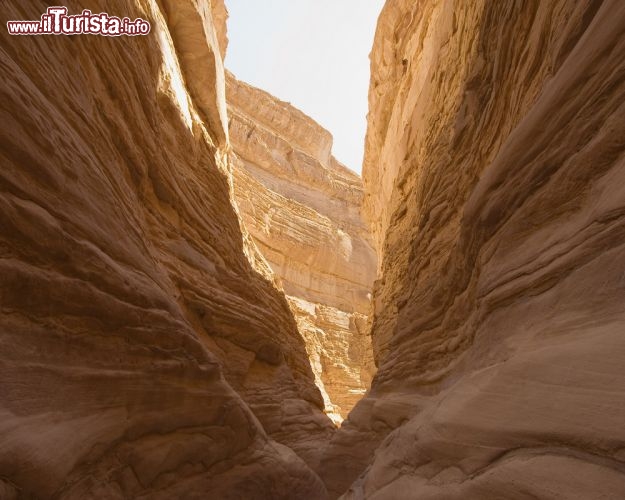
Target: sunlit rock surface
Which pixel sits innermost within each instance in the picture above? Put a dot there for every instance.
(495, 186)
(302, 209)
(140, 349)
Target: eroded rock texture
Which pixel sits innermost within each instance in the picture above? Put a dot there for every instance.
(302, 209)
(495, 184)
(139, 346)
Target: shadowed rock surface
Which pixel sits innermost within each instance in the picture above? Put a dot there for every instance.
(302, 208)
(139, 346)
(494, 182)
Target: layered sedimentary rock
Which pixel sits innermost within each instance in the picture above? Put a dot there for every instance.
(302, 209)
(494, 178)
(140, 348)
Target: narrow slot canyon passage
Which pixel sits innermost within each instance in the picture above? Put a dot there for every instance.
(199, 301)
(302, 210)
(301, 206)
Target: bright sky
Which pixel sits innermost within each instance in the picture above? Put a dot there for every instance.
(313, 54)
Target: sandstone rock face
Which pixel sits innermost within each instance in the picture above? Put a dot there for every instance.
(495, 186)
(140, 348)
(302, 209)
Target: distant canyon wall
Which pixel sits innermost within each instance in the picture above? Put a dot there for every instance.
(495, 187)
(142, 354)
(303, 211)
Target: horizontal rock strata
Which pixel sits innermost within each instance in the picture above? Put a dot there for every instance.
(140, 348)
(494, 179)
(302, 209)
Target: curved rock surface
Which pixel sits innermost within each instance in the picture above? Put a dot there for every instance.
(302, 209)
(495, 185)
(140, 349)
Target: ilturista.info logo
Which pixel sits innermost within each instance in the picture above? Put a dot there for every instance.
(56, 21)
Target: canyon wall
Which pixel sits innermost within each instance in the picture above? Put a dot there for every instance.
(495, 187)
(142, 354)
(302, 209)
